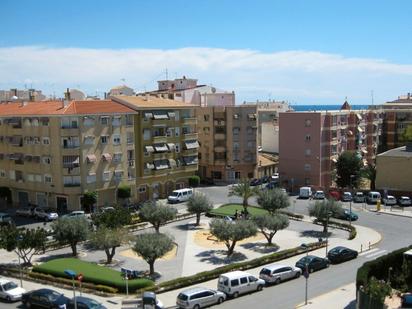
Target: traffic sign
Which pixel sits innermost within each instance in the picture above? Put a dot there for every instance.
(306, 274)
(80, 277)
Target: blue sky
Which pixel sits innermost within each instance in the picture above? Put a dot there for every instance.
(303, 51)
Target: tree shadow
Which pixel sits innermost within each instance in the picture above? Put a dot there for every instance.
(219, 257)
(47, 258)
(314, 234)
(191, 226)
(262, 248)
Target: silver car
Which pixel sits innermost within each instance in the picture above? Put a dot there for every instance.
(275, 273)
(199, 297)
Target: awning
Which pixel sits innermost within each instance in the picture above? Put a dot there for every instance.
(171, 114)
(161, 164)
(172, 163)
(16, 156)
(251, 116)
(360, 129)
(364, 151)
(171, 146)
(334, 160)
(148, 115)
(190, 160)
(350, 133)
(192, 144)
(161, 147)
(107, 156)
(149, 149)
(359, 116)
(91, 158)
(160, 116)
(150, 166)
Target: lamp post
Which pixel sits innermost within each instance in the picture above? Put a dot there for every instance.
(72, 274)
(350, 202)
(327, 232)
(306, 273)
(19, 238)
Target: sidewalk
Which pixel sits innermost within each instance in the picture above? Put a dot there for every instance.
(343, 297)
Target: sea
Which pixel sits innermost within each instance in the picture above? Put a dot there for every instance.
(326, 107)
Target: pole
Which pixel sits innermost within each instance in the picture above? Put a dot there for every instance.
(327, 234)
(21, 274)
(306, 279)
(74, 294)
(127, 285)
(350, 202)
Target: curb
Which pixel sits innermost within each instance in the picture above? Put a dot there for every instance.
(390, 213)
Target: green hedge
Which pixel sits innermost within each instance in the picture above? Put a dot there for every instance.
(215, 273)
(343, 226)
(92, 273)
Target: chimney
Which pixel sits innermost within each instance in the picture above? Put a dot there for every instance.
(31, 95)
(105, 95)
(14, 90)
(67, 94)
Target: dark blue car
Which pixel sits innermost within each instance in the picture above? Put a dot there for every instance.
(44, 298)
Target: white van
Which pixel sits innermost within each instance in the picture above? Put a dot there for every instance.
(181, 195)
(239, 282)
(305, 192)
(373, 197)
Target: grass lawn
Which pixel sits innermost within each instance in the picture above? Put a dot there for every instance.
(230, 209)
(92, 273)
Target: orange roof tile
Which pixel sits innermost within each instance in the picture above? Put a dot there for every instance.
(49, 108)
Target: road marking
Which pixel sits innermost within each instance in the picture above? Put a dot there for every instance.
(375, 254)
(368, 252)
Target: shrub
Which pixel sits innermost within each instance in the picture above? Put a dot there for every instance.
(194, 181)
(123, 191)
(343, 226)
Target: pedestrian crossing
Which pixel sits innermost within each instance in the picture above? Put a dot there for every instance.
(373, 253)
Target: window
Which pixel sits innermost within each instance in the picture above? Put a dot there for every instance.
(104, 139)
(48, 178)
(46, 160)
(118, 175)
(117, 157)
(116, 139)
(236, 130)
(249, 130)
(129, 120)
(236, 146)
(104, 120)
(308, 152)
(116, 121)
(46, 140)
(3, 174)
(88, 121)
(106, 176)
(307, 167)
(130, 137)
(308, 123)
(71, 181)
(243, 280)
(146, 134)
(71, 161)
(38, 178)
(177, 148)
(12, 175)
(89, 140)
(206, 117)
(234, 282)
(91, 178)
(142, 189)
(307, 137)
(177, 131)
(69, 123)
(236, 116)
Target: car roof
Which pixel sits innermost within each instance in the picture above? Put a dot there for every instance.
(194, 290)
(44, 291)
(4, 280)
(275, 266)
(235, 273)
(405, 197)
(3, 213)
(84, 299)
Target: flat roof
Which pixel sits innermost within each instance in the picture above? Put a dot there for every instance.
(149, 102)
(396, 152)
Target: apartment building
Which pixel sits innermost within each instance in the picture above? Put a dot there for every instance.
(187, 90)
(310, 143)
(20, 95)
(166, 144)
(51, 153)
(227, 136)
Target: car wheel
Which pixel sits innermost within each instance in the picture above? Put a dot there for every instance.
(277, 281)
(27, 304)
(8, 298)
(220, 300)
(297, 275)
(327, 265)
(196, 307)
(235, 295)
(310, 270)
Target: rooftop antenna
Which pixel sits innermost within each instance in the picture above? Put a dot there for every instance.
(372, 97)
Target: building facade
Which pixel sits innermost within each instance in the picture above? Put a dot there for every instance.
(227, 136)
(310, 143)
(166, 144)
(53, 152)
(21, 95)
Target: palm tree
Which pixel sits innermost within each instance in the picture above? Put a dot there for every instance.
(369, 172)
(244, 191)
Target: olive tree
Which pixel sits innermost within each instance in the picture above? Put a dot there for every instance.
(152, 246)
(230, 232)
(245, 191)
(71, 231)
(273, 200)
(324, 210)
(118, 217)
(197, 204)
(108, 239)
(157, 214)
(269, 224)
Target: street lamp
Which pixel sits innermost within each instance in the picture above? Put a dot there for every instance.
(19, 238)
(72, 274)
(350, 202)
(327, 232)
(306, 272)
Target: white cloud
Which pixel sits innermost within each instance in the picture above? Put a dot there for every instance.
(297, 76)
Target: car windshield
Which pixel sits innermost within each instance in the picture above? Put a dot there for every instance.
(183, 297)
(53, 295)
(175, 193)
(265, 271)
(224, 281)
(305, 259)
(91, 304)
(9, 286)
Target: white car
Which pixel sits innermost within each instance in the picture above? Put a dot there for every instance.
(319, 195)
(276, 273)
(10, 291)
(404, 201)
(45, 214)
(75, 214)
(25, 212)
(390, 200)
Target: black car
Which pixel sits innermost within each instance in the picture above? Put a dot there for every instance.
(255, 182)
(313, 263)
(407, 300)
(44, 298)
(85, 303)
(341, 254)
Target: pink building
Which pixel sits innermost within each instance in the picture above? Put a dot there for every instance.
(310, 143)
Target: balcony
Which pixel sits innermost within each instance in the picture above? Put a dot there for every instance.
(188, 152)
(220, 149)
(159, 139)
(71, 146)
(193, 135)
(220, 136)
(131, 163)
(219, 123)
(189, 120)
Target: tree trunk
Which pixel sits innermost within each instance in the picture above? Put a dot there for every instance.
(108, 258)
(325, 227)
(74, 249)
(198, 219)
(151, 267)
(231, 248)
(157, 227)
(373, 184)
(245, 205)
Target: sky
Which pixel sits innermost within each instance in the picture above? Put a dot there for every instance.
(304, 52)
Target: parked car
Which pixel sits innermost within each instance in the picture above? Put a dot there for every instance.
(341, 254)
(25, 212)
(305, 192)
(85, 303)
(404, 201)
(10, 291)
(334, 194)
(319, 195)
(199, 297)
(46, 214)
(272, 185)
(407, 300)
(347, 215)
(390, 200)
(75, 214)
(150, 300)
(373, 197)
(359, 197)
(313, 263)
(276, 273)
(5, 219)
(255, 182)
(265, 179)
(239, 282)
(181, 195)
(346, 197)
(275, 177)
(44, 298)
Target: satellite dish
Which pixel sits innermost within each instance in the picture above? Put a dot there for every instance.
(14, 98)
